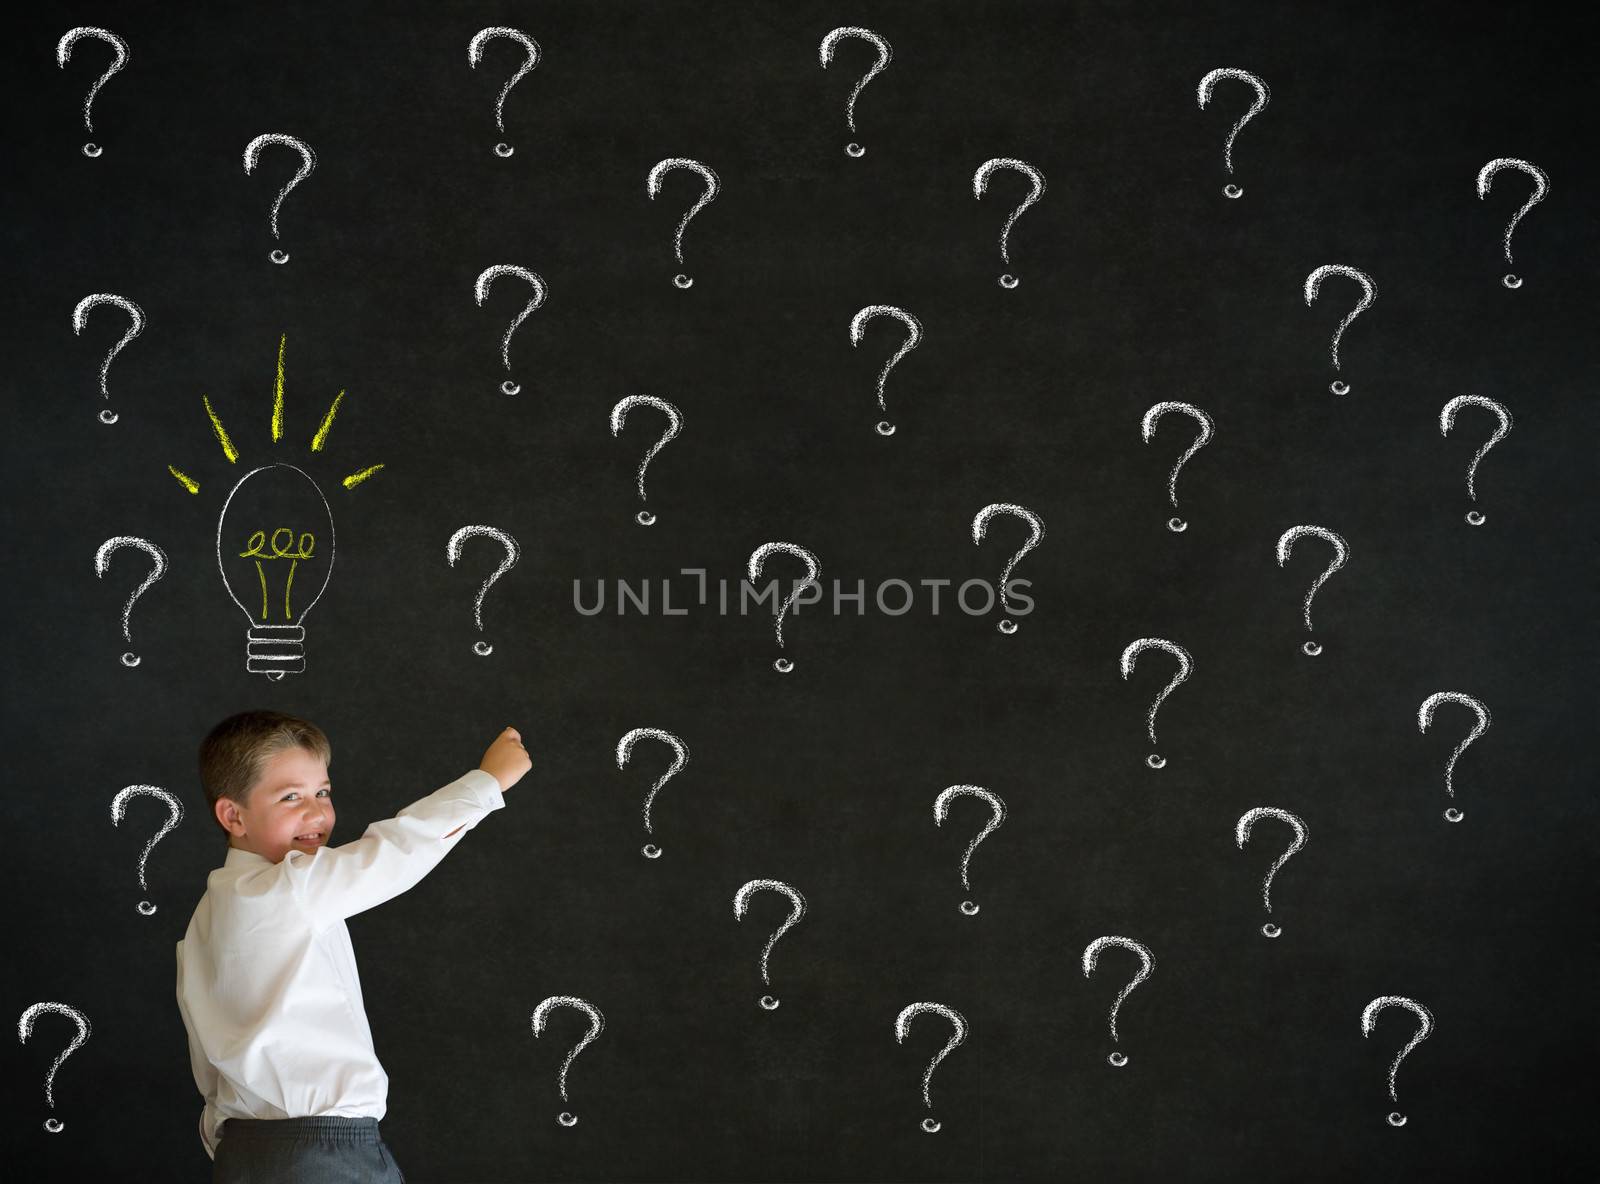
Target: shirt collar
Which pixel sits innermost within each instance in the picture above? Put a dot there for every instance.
(239, 857)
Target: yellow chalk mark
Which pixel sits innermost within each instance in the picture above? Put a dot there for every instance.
(307, 543)
(228, 450)
(327, 422)
(355, 479)
(277, 394)
(318, 440)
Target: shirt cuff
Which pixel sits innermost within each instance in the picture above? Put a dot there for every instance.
(486, 788)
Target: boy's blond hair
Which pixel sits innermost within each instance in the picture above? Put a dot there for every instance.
(234, 753)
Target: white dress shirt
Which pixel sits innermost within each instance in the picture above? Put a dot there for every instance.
(267, 981)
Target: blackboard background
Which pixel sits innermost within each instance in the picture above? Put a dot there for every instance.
(1140, 282)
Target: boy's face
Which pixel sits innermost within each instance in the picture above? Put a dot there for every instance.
(289, 809)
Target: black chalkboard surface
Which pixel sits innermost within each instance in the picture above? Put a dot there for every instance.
(1134, 759)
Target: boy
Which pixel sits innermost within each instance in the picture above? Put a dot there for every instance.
(267, 982)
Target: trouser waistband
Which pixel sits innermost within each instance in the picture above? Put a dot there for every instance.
(329, 1126)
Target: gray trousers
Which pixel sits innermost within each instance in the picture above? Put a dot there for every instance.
(322, 1150)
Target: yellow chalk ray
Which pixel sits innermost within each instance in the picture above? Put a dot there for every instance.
(228, 450)
(327, 423)
(317, 440)
(355, 479)
(277, 395)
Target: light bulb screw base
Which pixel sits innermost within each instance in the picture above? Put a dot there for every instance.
(275, 650)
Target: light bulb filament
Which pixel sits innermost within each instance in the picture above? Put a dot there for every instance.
(306, 546)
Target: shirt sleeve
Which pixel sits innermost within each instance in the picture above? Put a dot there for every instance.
(205, 1073)
(333, 883)
(208, 1123)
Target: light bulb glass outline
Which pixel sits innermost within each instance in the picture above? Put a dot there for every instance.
(274, 648)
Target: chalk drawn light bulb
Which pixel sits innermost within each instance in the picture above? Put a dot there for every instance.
(275, 551)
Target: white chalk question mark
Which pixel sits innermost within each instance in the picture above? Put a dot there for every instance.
(1185, 667)
(475, 49)
(1369, 293)
(902, 1025)
(1262, 96)
(758, 557)
(452, 552)
(980, 186)
(64, 48)
(980, 528)
(1425, 720)
(158, 568)
(829, 44)
(119, 804)
(80, 318)
(25, 1030)
(941, 807)
(1091, 956)
(308, 161)
(1447, 420)
(1369, 1020)
(1147, 427)
(480, 291)
(597, 1023)
(619, 416)
(680, 758)
(1541, 186)
(652, 186)
(1241, 835)
(797, 909)
(858, 327)
(1341, 552)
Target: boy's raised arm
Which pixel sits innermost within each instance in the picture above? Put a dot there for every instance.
(393, 855)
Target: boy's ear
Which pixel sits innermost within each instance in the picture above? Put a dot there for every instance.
(227, 811)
